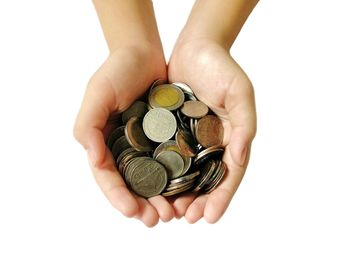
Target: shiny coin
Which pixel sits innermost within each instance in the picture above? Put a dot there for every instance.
(136, 136)
(166, 96)
(186, 143)
(194, 109)
(182, 120)
(214, 152)
(209, 131)
(148, 178)
(172, 162)
(217, 178)
(159, 125)
(184, 87)
(172, 146)
(177, 191)
(119, 146)
(185, 178)
(206, 172)
(179, 185)
(137, 109)
(115, 134)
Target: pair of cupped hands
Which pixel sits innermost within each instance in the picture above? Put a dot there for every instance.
(216, 79)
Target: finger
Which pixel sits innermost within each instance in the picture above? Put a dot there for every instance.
(114, 188)
(164, 209)
(196, 210)
(92, 118)
(147, 213)
(182, 203)
(220, 198)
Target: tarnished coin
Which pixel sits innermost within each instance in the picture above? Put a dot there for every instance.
(182, 120)
(119, 146)
(194, 109)
(148, 178)
(137, 109)
(115, 134)
(166, 96)
(172, 146)
(186, 143)
(209, 131)
(214, 152)
(185, 178)
(159, 125)
(173, 163)
(135, 135)
(123, 154)
(125, 161)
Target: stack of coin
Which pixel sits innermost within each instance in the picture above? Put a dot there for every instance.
(168, 143)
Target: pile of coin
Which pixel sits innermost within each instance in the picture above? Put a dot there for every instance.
(168, 143)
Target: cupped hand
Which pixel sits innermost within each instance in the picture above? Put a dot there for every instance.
(124, 76)
(218, 81)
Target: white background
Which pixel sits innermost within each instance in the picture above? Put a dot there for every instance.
(292, 206)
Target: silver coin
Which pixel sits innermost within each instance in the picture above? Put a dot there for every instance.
(177, 191)
(159, 125)
(172, 146)
(115, 134)
(184, 87)
(209, 153)
(185, 178)
(173, 163)
(119, 146)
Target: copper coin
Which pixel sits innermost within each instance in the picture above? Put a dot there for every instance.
(186, 143)
(135, 135)
(194, 109)
(209, 131)
(137, 109)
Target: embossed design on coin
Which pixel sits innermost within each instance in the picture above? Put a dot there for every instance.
(148, 178)
(209, 131)
(159, 125)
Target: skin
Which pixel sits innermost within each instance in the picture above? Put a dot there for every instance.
(201, 59)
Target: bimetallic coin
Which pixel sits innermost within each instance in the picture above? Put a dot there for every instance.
(115, 134)
(173, 163)
(148, 178)
(194, 109)
(186, 143)
(209, 131)
(159, 125)
(172, 146)
(166, 96)
(136, 136)
(137, 109)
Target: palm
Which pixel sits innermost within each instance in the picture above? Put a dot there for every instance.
(121, 80)
(218, 81)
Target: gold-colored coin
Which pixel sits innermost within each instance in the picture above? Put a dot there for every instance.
(166, 96)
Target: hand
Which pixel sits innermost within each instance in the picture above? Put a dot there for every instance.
(125, 75)
(219, 82)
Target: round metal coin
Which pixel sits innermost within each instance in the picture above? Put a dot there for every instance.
(209, 131)
(172, 162)
(135, 135)
(166, 96)
(194, 109)
(159, 125)
(137, 109)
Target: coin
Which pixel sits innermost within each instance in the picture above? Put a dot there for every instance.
(209, 153)
(217, 179)
(186, 143)
(184, 87)
(173, 163)
(172, 146)
(185, 178)
(177, 191)
(209, 131)
(159, 125)
(115, 134)
(194, 109)
(206, 172)
(137, 109)
(119, 146)
(148, 178)
(166, 96)
(135, 135)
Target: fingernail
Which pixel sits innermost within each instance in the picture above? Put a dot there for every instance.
(243, 156)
